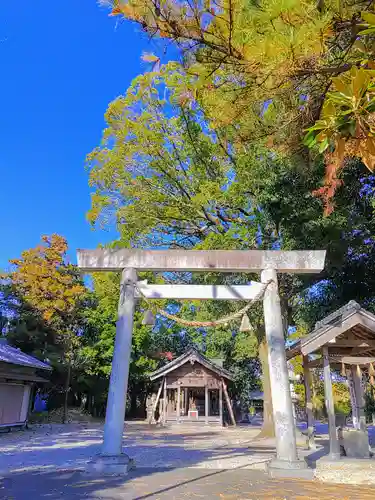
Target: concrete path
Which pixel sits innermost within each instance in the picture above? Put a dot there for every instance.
(173, 484)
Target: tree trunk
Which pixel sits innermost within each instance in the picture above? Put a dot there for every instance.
(133, 402)
(143, 399)
(67, 385)
(268, 429)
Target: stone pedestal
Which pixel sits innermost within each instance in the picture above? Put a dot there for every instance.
(116, 465)
(355, 443)
(297, 469)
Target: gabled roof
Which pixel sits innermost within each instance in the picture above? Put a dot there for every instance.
(15, 356)
(348, 332)
(191, 355)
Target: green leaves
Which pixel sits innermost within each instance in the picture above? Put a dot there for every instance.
(157, 171)
(346, 127)
(370, 20)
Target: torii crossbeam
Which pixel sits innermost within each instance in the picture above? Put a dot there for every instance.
(268, 263)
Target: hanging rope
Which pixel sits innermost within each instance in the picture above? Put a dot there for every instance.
(217, 322)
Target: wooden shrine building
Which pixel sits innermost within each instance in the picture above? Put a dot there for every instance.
(191, 390)
(19, 373)
(345, 342)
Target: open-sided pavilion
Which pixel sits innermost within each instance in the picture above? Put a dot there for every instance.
(343, 341)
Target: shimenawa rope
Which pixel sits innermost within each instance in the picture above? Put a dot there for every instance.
(220, 321)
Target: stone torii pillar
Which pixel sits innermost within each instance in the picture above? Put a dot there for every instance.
(269, 263)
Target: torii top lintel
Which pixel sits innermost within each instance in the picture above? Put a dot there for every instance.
(225, 261)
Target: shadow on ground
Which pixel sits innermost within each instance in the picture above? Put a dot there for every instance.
(153, 484)
(58, 447)
(170, 465)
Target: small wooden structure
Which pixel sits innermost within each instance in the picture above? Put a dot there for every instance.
(18, 374)
(345, 341)
(192, 389)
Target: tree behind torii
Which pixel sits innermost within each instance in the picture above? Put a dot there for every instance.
(168, 180)
(50, 287)
(271, 70)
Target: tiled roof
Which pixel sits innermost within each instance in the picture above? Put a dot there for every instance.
(15, 356)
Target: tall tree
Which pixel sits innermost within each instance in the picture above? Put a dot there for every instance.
(269, 70)
(48, 293)
(188, 146)
(168, 179)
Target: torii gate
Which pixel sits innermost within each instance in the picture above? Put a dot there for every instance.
(268, 262)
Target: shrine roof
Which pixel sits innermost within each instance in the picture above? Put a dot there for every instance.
(192, 355)
(348, 332)
(12, 355)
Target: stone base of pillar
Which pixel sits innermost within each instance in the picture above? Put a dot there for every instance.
(331, 457)
(283, 468)
(116, 465)
(302, 439)
(311, 445)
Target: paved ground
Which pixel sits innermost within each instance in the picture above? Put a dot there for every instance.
(52, 446)
(70, 446)
(180, 463)
(173, 484)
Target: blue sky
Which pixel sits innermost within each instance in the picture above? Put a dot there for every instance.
(61, 62)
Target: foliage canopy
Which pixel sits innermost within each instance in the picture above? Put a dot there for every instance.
(271, 70)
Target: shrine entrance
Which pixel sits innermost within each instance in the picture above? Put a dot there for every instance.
(268, 263)
(191, 390)
(192, 405)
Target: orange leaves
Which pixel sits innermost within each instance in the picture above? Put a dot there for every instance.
(126, 10)
(363, 148)
(334, 162)
(148, 57)
(345, 128)
(116, 11)
(366, 151)
(43, 279)
(153, 59)
(331, 183)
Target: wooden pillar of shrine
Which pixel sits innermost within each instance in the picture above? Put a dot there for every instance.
(206, 403)
(221, 402)
(186, 401)
(334, 445)
(165, 404)
(308, 403)
(178, 403)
